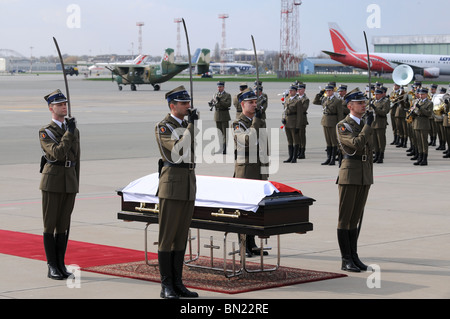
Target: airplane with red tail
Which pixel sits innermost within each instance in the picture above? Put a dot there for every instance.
(427, 65)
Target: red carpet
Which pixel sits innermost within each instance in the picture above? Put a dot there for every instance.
(203, 279)
(78, 253)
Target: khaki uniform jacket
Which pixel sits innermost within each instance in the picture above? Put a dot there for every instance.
(293, 112)
(237, 105)
(422, 115)
(304, 102)
(331, 109)
(355, 139)
(381, 108)
(222, 113)
(176, 145)
(248, 149)
(66, 147)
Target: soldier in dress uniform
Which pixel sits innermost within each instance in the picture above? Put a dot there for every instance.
(411, 98)
(177, 188)
(236, 103)
(60, 168)
(304, 102)
(433, 127)
(342, 91)
(421, 113)
(222, 103)
(399, 103)
(381, 107)
(438, 119)
(355, 177)
(331, 107)
(446, 126)
(250, 142)
(292, 123)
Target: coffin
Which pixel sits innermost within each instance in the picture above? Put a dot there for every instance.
(225, 204)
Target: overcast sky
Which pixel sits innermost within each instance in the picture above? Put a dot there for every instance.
(102, 27)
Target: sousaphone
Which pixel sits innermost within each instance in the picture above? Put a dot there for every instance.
(402, 74)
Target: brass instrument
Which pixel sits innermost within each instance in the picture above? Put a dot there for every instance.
(214, 100)
(439, 105)
(397, 97)
(409, 116)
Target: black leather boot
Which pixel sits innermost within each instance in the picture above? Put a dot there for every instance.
(251, 244)
(333, 155)
(165, 270)
(177, 270)
(380, 158)
(302, 153)
(419, 159)
(328, 156)
(344, 246)
(353, 235)
(295, 151)
(50, 252)
(61, 245)
(375, 158)
(291, 152)
(424, 161)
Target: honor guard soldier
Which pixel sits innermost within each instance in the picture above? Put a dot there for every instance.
(221, 101)
(342, 91)
(381, 107)
(446, 125)
(60, 168)
(176, 192)
(236, 103)
(355, 177)
(263, 101)
(304, 105)
(251, 156)
(292, 123)
(421, 112)
(331, 107)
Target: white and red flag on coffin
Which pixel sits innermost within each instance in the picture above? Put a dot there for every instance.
(212, 191)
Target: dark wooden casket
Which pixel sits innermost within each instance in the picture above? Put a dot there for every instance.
(272, 209)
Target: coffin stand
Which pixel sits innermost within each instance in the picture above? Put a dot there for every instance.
(223, 204)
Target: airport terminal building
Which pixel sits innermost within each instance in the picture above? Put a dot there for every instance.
(413, 44)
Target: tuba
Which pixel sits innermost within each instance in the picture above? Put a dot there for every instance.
(439, 105)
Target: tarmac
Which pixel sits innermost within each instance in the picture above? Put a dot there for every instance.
(405, 235)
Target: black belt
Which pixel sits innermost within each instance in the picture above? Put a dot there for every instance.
(190, 166)
(65, 164)
(362, 158)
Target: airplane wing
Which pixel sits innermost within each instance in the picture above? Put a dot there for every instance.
(416, 69)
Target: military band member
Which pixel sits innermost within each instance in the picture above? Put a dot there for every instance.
(381, 107)
(236, 103)
(421, 113)
(355, 177)
(250, 142)
(292, 123)
(446, 125)
(222, 103)
(331, 107)
(439, 123)
(398, 103)
(433, 127)
(410, 99)
(304, 102)
(60, 167)
(176, 191)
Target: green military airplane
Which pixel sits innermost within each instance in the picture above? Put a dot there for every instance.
(141, 72)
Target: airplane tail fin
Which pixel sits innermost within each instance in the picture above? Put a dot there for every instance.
(341, 43)
(168, 56)
(202, 60)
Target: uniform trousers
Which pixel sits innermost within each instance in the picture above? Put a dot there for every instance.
(222, 126)
(56, 210)
(401, 127)
(352, 199)
(379, 139)
(174, 222)
(292, 137)
(330, 135)
(422, 140)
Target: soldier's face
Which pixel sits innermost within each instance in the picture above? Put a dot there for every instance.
(180, 109)
(249, 107)
(60, 109)
(357, 108)
(329, 92)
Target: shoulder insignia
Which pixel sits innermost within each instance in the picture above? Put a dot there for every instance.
(43, 135)
(162, 129)
(346, 127)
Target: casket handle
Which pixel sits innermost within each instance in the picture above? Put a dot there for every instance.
(142, 208)
(221, 213)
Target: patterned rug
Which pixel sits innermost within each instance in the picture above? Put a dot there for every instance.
(211, 280)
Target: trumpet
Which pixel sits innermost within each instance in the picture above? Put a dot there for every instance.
(214, 100)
